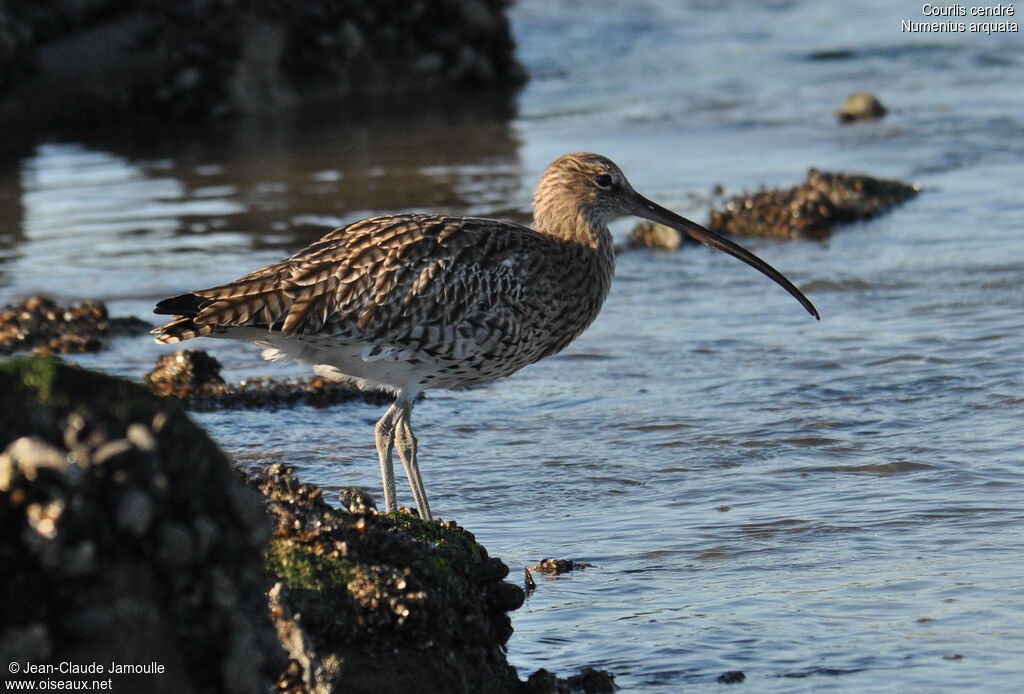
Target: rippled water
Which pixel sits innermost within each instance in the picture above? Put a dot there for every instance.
(824, 506)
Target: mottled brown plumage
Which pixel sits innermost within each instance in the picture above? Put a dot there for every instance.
(410, 302)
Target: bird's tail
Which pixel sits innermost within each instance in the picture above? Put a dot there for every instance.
(253, 301)
(184, 308)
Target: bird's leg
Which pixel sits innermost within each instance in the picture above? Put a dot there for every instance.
(405, 442)
(384, 434)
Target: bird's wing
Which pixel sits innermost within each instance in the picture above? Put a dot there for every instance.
(387, 278)
(393, 278)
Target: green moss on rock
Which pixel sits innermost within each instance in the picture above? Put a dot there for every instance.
(300, 569)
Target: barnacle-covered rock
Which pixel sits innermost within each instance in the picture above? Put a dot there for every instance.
(125, 536)
(811, 209)
(369, 585)
(193, 376)
(40, 325)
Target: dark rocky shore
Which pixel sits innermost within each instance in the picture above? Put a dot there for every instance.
(100, 61)
(126, 536)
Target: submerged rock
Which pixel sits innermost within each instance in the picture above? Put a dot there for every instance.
(811, 209)
(193, 376)
(40, 325)
(589, 681)
(732, 677)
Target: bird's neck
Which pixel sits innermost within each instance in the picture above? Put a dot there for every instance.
(586, 249)
(570, 223)
(584, 255)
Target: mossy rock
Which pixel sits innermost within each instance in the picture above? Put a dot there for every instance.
(126, 536)
(367, 585)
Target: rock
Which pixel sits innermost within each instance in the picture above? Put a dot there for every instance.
(558, 566)
(186, 373)
(732, 677)
(811, 209)
(105, 61)
(387, 601)
(193, 376)
(589, 681)
(860, 106)
(377, 602)
(40, 325)
(651, 235)
(96, 559)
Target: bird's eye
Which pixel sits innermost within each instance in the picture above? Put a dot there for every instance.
(603, 181)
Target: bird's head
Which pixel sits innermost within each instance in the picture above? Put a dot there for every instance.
(580, 193)
(586, 186)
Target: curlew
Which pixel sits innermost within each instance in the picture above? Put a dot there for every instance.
(415, 301)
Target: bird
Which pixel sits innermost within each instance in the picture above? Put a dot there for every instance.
(409, 302)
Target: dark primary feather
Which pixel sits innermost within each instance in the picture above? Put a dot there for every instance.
(181, 305)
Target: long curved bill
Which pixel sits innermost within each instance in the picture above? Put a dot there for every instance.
(656, 213)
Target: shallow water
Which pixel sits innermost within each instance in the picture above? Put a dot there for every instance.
(833, 506)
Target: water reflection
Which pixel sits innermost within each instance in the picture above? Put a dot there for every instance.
(11, 213)
(120, 201)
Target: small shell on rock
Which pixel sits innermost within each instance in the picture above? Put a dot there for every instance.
(28, 455)
(43, 518)
(141, 437)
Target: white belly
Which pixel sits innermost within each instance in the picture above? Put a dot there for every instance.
(391, 367)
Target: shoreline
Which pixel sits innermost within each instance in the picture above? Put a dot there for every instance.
(129, 539)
